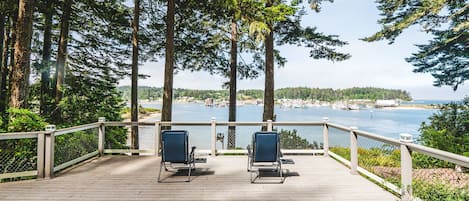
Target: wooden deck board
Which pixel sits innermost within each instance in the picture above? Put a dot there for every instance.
(221, 178)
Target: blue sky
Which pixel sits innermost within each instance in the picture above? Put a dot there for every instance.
(374, 64)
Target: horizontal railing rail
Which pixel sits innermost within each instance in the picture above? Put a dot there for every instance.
(76, 129)
(19, 135)
(442, 155)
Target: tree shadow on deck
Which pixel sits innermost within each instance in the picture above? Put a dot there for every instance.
(182, 173)
(119, 164)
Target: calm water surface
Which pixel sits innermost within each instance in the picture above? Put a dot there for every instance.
(385, 122)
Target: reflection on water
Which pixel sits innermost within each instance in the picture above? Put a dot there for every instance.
(385, 122)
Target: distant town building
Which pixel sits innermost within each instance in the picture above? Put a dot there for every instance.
(387, 103)
(209, 102)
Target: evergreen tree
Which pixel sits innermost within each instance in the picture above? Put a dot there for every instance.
(283, 20)
(446, 56)
(134, 100)
(448, 128)
(19, 75)
(169, 62)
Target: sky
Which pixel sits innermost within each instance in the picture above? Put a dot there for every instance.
(376, 64)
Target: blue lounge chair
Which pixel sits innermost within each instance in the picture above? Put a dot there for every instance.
(175, 150)
(265, 153)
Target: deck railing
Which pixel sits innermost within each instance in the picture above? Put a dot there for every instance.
(43, 160)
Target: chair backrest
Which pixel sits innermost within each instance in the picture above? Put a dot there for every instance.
(175, 147)
(266, 147)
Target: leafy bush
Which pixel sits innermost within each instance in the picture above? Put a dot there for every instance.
(74, 145)
(22, 120)
(86, 99)
(448, 129)
(291, 140)
(371, 157)
(20, 154)
(423, 161)
(343, 152)
(439, 192)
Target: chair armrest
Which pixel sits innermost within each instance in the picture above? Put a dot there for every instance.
(249, 150)
(193, 150)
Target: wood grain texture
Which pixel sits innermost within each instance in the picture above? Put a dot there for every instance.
(221, 178)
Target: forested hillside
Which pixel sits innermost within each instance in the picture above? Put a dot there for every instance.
(304, 93)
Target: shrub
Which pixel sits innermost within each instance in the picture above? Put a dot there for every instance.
(20, 154)
(448, 129)
(291, 140)
(23, 120)
(439, 191)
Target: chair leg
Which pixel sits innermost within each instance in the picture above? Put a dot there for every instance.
(190, 168)
(281, 172)
(252, 180)
(159, 174)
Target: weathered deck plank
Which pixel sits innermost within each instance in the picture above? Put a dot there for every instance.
(221, 178)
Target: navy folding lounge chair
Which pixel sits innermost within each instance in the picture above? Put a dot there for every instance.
(265, 153)
(175, 150)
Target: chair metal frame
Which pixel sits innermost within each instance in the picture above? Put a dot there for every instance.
(188, 161)
(253, 168)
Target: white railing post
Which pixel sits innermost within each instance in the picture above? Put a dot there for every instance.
(49, 151)
(40, 154)
(325, 133)
(353, 150)
(157, 137)
(269, 125)
(101, 135)
(406, 167)
(214, 136)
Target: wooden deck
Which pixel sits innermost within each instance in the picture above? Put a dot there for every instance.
(221, 178)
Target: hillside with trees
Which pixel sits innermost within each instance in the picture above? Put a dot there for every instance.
(303, 93)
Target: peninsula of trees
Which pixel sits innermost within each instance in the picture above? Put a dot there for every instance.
(303, 93)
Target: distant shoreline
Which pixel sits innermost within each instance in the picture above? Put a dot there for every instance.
(251, 102)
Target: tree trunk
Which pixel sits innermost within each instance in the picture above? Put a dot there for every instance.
(46, 55)
(269, 74)
(233, 87)
(4, 68)
(169, 64)
(20, 71)
(134, 99)
(9, 63)
(2, 38)
(5, 35)
(62, 53)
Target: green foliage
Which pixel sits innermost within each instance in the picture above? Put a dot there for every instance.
(371, 157)
(291, 140)
(86, 99)
(438, 191)
(379, 157)
(343, 152)
(423, 161)
(422, 187)
(1, 125)
(448, 129)
(446, 55)
(74, 145)
(20, 154)
(141, 110)
(23, 120)
(303, 93)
